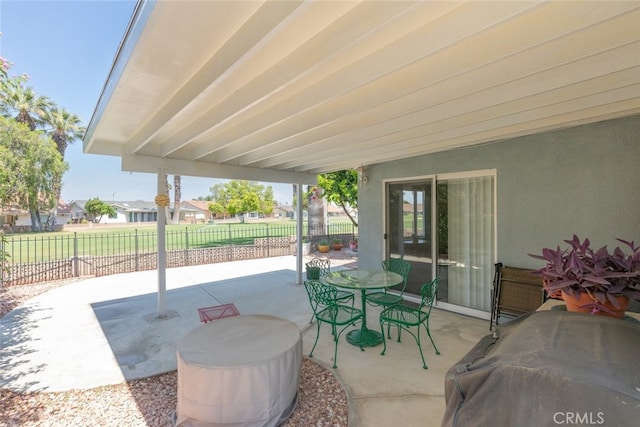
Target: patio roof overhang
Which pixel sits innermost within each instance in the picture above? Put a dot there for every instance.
(279, 91)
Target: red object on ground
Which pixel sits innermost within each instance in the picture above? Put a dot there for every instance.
(207, 314)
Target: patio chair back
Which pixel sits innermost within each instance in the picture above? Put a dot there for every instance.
(321, 295)
(407, 317)
(401, 267)
(318, 268)
(327, 309)
(428, 294)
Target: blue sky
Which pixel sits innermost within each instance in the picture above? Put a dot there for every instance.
(67, 49)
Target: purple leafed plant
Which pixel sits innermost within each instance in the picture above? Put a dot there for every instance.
(580, 269)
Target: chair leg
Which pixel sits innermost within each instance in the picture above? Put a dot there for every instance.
(313, 315)
(389, 328)
(399, 328)
(424, 364)
(315, 343)
(426, 325)
(335, 352)
(384, 341)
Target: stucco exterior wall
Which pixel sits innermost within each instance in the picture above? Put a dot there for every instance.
(583, 180)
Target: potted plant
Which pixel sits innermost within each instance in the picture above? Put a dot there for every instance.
(306, 246)
(323, 245)
(353, 244)
(592, 280)
(336, 243)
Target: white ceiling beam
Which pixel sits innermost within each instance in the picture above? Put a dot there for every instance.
(562, 83)
(444, 78)
(136, 163)
(253, 74)
(327, 85)
(404, 49)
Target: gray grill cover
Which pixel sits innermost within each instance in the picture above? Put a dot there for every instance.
(549, 368)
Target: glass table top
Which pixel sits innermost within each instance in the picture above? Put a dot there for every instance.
(363, 279)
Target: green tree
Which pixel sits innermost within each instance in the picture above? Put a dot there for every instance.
(64, 128)
(7, 85)
(23, 104)
(220, 198)
(30, 167)
(98, 208)
(4, 255)
(4, 66)
(216, 209)
(341, 188)
(267, 201)
(241, 197)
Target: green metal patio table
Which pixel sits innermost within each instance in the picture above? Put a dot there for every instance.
(363, 280)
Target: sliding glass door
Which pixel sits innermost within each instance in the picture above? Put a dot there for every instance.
(409, 234)
(456, 222)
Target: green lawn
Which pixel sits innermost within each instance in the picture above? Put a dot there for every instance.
(113, 239)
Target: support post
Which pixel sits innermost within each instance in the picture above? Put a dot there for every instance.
(162, 255)
(299, 218)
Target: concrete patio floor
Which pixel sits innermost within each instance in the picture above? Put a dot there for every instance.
(105, 330)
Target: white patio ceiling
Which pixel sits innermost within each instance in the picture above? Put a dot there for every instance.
(282, 90)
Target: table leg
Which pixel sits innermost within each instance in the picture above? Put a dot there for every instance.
(364, 337)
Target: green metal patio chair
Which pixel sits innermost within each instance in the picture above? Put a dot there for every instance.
(317, 268)
(385, 298)
(327, 309)
(405, 317)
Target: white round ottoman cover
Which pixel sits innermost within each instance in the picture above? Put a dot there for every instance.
(239, 371)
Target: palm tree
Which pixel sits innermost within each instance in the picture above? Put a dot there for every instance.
(64, 129)
(26, 107)
(4, 80)
(4, 66)
(177, 194)
(22, 102)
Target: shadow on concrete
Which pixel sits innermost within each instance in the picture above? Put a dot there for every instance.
(145, 345)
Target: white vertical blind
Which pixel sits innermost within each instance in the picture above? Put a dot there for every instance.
(470, 241)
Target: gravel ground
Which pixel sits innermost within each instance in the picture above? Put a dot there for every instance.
(151, 401)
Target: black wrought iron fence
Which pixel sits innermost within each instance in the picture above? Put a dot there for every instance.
(40, 258)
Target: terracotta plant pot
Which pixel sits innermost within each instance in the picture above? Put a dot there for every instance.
(576, 305)
(337, 246)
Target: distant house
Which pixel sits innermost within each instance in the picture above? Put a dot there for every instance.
(13, 219)
(285, 211)
(410, 208)
(126, 212)
(78, 214)
(138, 211)
(334, 211)
(195, 211)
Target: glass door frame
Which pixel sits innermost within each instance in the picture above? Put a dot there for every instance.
(427, 209)
(433, 179)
